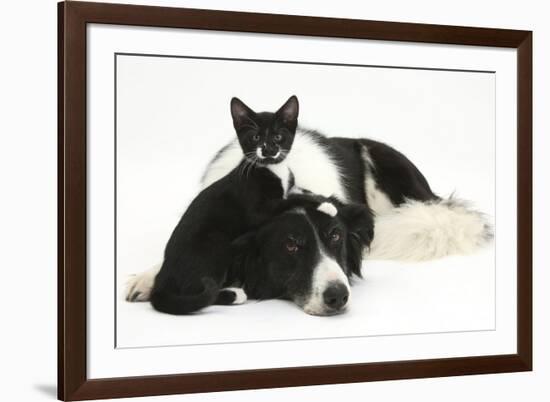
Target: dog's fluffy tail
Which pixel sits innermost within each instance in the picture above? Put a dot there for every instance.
(419, 231)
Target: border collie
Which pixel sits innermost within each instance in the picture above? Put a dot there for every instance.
(412, 222)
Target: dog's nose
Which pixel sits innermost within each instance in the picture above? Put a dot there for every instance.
(336, 296)
(269, 150)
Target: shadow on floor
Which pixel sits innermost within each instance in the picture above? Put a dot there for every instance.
(47, 389)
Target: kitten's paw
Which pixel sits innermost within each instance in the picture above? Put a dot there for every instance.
(138, 287)
(231, 296)
(240, 296)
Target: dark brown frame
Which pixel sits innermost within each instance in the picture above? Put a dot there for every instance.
(73, 383)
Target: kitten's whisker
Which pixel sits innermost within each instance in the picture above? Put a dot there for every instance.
(250, 167)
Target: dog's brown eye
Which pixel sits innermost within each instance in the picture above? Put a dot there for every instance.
(256, 137)
(291, 246)
(335, 236)
(278, 137)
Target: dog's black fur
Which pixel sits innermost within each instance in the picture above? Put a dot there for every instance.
(393, 172)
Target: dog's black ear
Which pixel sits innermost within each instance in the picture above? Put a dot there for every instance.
(245, 250)
(359, 221)
(244, 242)
(246, 260)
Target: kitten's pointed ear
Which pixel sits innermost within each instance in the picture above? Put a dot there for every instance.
(289, 111)
(240, 113)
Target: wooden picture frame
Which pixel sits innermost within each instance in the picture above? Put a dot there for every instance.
(73, 17)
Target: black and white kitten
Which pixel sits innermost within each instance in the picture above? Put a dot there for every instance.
(266, 138)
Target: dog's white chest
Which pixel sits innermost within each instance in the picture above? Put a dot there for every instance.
(313, 168)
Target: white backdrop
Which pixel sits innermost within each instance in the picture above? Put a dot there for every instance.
(173, 116)
(30, 197)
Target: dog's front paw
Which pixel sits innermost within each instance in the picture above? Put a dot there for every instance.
(138, 287)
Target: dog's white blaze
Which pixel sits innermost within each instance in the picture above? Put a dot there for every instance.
(312, 166)
(259, 153)
(240, 295)
(141, 284)
(325, 273)
(328, 208)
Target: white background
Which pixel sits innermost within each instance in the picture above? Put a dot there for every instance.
(28, 206)
(173, 115)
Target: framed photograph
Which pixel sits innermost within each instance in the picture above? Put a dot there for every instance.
(253, 200)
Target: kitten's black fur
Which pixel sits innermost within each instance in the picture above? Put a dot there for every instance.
(197, 256)
(199, 251)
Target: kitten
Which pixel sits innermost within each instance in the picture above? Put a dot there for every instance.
(199, 251)
(266, 138)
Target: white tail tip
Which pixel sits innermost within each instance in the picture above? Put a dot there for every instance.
(420, 231)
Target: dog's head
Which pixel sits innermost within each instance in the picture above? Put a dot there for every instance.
(307, 255)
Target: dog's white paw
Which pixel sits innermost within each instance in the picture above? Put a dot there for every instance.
(138, 287)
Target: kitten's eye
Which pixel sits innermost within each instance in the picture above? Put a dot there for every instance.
(291, 246)
(335, 236)
(278, 137)
(256, 137)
